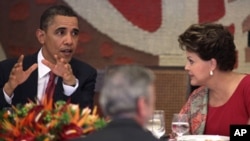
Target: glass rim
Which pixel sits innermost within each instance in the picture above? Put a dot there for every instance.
(158, 110)
(180, 114)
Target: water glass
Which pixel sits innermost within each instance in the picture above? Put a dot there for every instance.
(156, 123)
(180, 124)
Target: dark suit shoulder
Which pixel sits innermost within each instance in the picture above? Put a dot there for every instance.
(28, 60)
(121, 132)
(82, 66)
(110, 135)
(8, 62)
(6, 66)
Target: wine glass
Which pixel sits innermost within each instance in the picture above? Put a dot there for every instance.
(180, 124)
(156, 124)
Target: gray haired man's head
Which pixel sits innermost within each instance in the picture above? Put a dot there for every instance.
(123, 86)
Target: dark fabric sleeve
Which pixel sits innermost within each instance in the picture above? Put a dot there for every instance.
(86, 92)
(3, 79)
(84, 95)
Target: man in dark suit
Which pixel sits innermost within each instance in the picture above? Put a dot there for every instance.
(128, 98)
(26, 78)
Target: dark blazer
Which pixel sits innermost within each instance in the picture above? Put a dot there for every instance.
(83, 96)
(120, 130)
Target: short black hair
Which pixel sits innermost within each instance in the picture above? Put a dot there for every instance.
(53, 11)
(210, 40)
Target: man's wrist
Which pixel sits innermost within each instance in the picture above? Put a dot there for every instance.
(72, 82)
(8, 89)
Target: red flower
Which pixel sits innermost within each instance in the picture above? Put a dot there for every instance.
(71, 131)
(25, 137)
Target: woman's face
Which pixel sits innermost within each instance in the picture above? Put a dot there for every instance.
(197, 69)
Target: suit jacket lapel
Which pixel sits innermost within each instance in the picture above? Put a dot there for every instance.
(58, 94)
(32, 82)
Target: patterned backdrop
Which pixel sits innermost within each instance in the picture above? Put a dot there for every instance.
(125, 31)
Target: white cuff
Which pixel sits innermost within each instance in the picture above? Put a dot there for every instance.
(7, 98)
(69, 90)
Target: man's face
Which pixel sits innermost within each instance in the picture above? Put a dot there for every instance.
(60, 38)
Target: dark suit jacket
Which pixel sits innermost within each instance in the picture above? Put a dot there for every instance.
(28, 90)
(121, 130)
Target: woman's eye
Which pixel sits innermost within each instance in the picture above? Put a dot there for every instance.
(191, 61)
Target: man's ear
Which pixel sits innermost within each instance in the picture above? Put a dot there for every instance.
(40, 34)
(141, 106)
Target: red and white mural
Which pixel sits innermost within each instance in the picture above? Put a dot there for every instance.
(152, 26)
(140, 24)
(127, 31)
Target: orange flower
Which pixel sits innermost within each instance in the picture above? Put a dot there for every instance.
(45, 121)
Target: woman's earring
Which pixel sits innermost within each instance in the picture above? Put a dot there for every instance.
(211, 73)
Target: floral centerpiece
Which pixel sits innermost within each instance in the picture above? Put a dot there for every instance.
(48, 122)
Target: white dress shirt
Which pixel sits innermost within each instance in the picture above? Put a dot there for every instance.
(43, 78)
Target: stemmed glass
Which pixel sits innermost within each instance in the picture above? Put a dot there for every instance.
(156, 124)
(180, 124)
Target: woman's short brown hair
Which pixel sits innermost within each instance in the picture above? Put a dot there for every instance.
(209, 41)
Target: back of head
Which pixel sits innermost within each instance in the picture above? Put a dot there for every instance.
(209, 41)
(123, 86)
(51, 12)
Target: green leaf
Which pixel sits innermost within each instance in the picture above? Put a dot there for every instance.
(100, 123)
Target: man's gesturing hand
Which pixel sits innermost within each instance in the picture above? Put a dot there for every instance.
(18, 75)
(62, 69)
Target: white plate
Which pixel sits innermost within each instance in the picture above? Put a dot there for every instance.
(202, 138)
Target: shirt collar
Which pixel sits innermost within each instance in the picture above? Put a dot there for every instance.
(42, 69)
